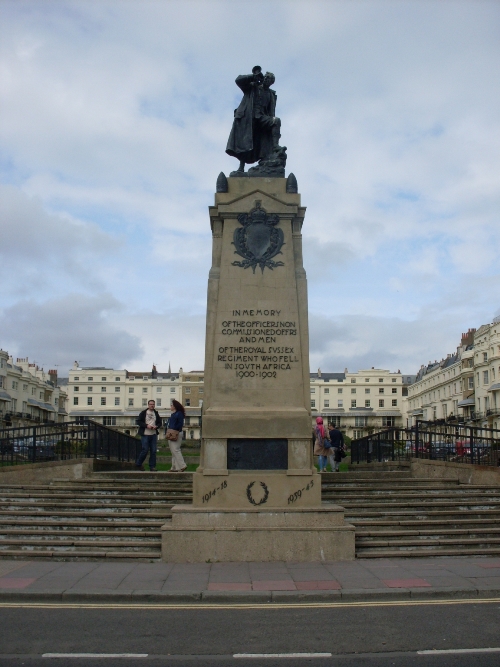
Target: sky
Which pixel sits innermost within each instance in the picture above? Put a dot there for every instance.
(114, 119)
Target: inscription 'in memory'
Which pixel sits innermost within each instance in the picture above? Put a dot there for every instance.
(263, 358)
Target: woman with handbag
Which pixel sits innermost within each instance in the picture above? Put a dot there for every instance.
(322, 445)
(174, 436)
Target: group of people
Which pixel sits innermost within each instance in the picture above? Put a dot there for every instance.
(150, 423)
(328, 446)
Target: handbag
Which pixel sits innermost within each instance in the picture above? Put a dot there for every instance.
(342, 454)
(172, 434)
(327, 444)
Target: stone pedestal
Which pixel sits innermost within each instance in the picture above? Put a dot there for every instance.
(300, 535)
(257, 494)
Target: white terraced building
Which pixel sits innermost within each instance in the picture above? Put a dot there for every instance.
(465, 386)
(28, 395)
(487, 374)
(116, 397)
(360, 402)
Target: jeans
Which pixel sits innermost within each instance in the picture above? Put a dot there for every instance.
(322, 462)
(334, 464)
(148, 444)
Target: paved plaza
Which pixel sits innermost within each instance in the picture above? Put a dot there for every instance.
(244, 582)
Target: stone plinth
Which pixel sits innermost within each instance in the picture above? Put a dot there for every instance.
(256, 493)
(257, 339)
(300, 535)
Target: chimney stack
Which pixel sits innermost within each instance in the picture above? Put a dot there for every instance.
(53, 377)
(468, 338)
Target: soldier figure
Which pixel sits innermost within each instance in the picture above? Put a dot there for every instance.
(256, 130)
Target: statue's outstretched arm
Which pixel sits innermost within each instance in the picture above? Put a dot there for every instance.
(244, 81)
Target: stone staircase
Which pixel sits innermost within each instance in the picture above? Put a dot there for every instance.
(109, 515)
(118, 515)
(396, 515)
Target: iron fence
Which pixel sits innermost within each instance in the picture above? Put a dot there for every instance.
(69, 440)
(427, 440)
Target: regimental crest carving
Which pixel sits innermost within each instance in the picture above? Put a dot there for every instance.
(258, 240)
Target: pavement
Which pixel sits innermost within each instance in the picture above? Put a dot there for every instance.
(255, 582)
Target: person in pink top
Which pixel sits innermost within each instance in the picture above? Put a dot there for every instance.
(319, 445)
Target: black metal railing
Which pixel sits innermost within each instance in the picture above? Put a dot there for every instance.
(69, 440)
(442, 442)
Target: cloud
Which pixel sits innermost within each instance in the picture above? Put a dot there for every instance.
(173, 336)
(324, 258)
(360, 342)
(39, 247)
(75, 327)
(113, 126)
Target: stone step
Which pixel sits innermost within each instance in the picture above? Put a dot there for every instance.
(19, 503)
(112, 516)
(83, 532)
(120, 489)
(427, 552)
(91, 523)
(412, 493)
(465, 545)
(102, 489)
(383, 501)
(97, 496)
(421, 540)
(145, 476)
(58, 541)
(69, 509)
(70, 553)
(369, 475)
(350, 489)
(412, 484)
(491, 528)
(377, 517)
(426, 524)
(423, 503)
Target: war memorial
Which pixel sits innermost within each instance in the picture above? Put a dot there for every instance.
(257, 494)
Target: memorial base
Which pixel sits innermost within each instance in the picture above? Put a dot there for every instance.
(199, 535)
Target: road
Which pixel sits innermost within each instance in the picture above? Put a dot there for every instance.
(373, 635)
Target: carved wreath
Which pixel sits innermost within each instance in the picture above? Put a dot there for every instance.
(258, 240)
(249, 494)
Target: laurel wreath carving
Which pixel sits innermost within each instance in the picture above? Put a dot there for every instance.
(249, 494)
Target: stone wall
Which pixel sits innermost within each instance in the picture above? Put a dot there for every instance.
(465, 473)
(47, 471)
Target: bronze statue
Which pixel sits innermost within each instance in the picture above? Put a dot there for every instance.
(256, 129)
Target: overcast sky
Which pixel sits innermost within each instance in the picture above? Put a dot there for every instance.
(114, 120)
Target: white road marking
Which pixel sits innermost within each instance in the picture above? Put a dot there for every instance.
(459, 650)
(282, 655)
(94, 655)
